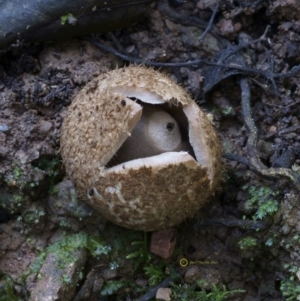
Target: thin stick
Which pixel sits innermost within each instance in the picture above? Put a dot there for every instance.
(269, 75)
(152, 292)
(210, 23)
(244, 45)
(254, 160)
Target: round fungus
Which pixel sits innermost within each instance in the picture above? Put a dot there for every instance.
(148, 157)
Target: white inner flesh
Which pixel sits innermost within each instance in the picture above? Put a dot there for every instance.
(197, 136)
(155, 162)
(157, 132)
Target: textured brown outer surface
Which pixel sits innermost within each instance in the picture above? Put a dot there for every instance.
(146, 78)
(145, 199)
(149, 199)
(95, 120)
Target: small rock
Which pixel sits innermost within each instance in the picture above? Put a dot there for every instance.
(192, 274)
(298, 274)
(265, 147)
(3, 151)
(277, 140)
(38, 175)
(237, 26)
(65, 208)
(45, 128)
(272, 129)
(226, 27)
(291, 136)
(295, 121)
(109, 274)
(2, 137)
(3, 128)
(28, 156)
(224, 104)
(170, 25)
(92, 286)
(286, 160)
(58, 282)
(163, 242)
(285, 229)
(141, 282)
(163, 293)
(212, 276)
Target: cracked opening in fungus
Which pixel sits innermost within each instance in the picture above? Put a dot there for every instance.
(160, 128)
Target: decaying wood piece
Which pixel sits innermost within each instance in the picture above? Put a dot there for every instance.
(31, 20)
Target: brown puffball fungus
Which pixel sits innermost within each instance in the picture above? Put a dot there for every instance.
(139, 150)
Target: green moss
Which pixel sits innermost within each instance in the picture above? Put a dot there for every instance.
(53, 170)
(290, 289)
(122, 287)
(33, 215)
(247, 242)
(17, 172)
(155, 273)
(263, 200)
(112, 286)
(190, 293)
(64, 248)
(141, 253)
(13, 203)
(66, 18)
(7, 289)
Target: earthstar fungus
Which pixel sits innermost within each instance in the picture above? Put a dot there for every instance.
(139, 150)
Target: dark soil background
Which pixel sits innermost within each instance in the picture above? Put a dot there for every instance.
(245, 241)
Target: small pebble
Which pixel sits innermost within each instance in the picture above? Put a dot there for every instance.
(3, 128)
(163, 242)
(163, 293)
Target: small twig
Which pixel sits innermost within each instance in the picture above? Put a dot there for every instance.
(289, 130)
(164, 7)
(248, 224)
(116, 42)
(271, 79)
(165, 283)
(131, 59)
(254, 160)
(281, 106)
(152, 292)
(246, 70)
(244, 45)
(292, 72)
(210, 23)
(237, 158)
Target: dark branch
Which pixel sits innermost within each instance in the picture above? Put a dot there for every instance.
(254, 160)
(210, 23)
(244, 45)
(237, 158)
(152, 292)
(240, 223)
(269, 75)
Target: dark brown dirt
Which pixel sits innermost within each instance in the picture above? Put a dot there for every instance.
(229, 246)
